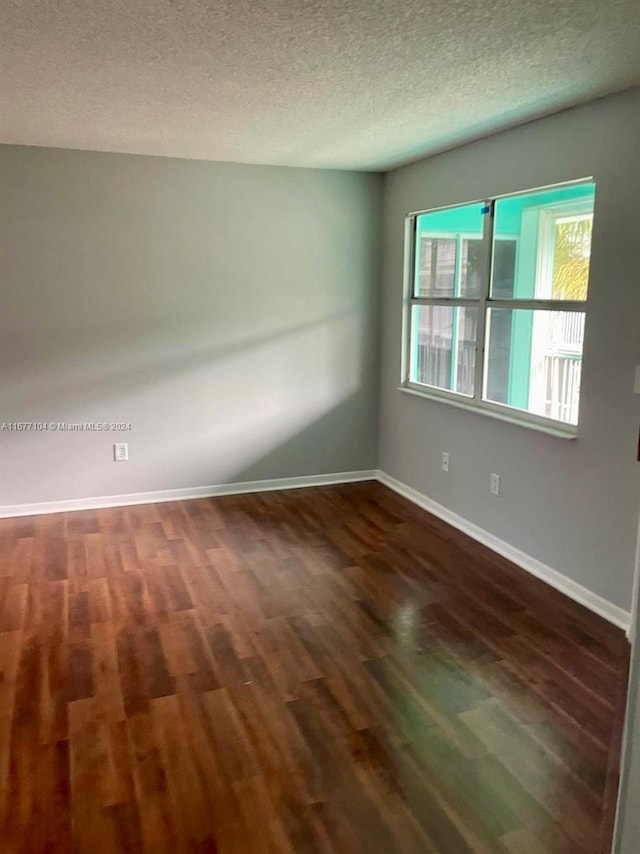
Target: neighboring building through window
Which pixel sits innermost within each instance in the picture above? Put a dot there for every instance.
(506, 279)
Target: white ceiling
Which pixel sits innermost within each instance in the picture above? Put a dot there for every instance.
(355, 84)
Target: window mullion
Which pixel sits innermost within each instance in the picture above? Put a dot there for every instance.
(485, 287)
(457, 287)
(463, 302)
(539, 304)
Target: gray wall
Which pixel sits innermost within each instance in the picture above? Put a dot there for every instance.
(571, 504)
(226, 311)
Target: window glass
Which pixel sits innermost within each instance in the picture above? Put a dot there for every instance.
(542, 244)
(444, 347)
(436, 275)
(449, 254)
(534, 361)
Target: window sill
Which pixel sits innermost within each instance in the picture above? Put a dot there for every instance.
(494, 411)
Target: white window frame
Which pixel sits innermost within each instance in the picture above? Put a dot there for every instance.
(483, 303)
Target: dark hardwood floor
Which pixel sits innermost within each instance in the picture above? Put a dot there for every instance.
(318, 670)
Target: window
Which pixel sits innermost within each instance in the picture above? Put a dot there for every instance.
(497, 301)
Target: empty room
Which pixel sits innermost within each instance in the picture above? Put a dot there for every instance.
(319, 427)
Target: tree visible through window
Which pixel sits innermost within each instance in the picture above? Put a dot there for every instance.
(571, 254)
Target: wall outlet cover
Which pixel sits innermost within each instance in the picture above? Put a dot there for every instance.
(120, 452)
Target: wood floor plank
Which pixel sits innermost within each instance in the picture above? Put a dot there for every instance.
(320, 671)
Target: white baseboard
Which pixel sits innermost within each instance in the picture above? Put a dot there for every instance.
(160, 496)
(565, 585)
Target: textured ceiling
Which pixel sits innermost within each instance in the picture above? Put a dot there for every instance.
(361, 84)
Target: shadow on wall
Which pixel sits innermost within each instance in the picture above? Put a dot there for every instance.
(81, 368)
(327, 437)
(287, 403)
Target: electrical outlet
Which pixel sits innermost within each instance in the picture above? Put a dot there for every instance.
(444, 462)
(494, 484)
(120, 452)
